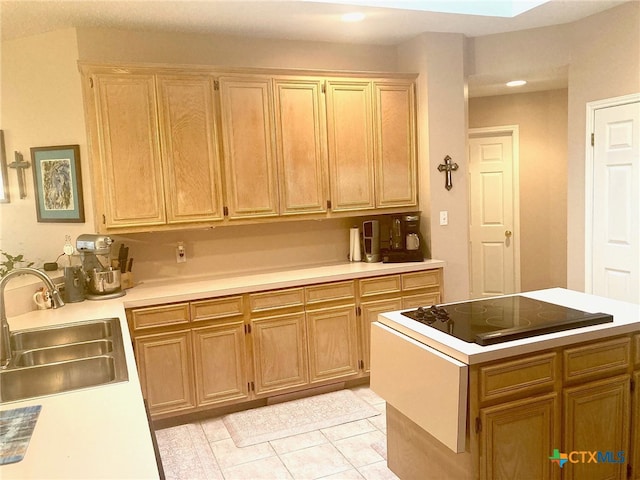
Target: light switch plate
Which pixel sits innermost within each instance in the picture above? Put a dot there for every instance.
(444, 217)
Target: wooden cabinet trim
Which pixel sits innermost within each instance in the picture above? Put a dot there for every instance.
(416, 280)
(636, 348)
(217, 308)
(327, 292)
(276, 299)
(162, 316)
(522, 377)
(379, 285)
(596, 359)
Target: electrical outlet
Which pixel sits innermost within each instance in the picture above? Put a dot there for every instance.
(181, 253)
(444, 217)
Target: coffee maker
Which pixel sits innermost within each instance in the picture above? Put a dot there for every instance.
(102, 280)
(405, 244)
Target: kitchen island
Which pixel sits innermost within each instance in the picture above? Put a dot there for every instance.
(461, 410)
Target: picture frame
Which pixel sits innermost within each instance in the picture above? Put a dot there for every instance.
(57, 182)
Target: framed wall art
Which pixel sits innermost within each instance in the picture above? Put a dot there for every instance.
(58, 183)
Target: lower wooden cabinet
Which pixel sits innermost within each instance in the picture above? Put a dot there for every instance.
(333, 343)
(597, 418)
(635, 426)
(166, 373)
(369, 314)
(517, 437)
(215, 352)
(220, 363)
(279, 353)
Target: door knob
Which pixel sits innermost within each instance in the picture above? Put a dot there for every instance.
(508, 233)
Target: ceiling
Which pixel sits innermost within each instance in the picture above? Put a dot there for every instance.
(310, 20)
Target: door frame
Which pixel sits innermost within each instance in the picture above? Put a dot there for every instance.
(514, 132)
(588, 178)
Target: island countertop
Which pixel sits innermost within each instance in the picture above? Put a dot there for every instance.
(626, 319)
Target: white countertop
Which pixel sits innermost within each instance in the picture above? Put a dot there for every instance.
(99, 432)
(169, 291)
(102, 432)
(626, 319)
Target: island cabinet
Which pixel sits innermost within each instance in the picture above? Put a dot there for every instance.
(635, 415)
(173, 147)
(575, 399)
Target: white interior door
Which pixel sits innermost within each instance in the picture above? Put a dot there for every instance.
(615, 202)
(494, 226)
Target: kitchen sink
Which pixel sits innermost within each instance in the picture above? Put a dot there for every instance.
(63, 334)
(63, 358)
(29, 382)
(60, 353)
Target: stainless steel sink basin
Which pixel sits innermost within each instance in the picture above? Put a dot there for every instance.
(29, 382)
(63, 358)
(61, 353)
(62, 334)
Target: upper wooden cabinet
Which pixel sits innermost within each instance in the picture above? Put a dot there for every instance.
(350, 135)
(301, 145)
(248, 146)
(192, 178)
(173, 147)
(127, 174)
(395, 144)
(372, 153)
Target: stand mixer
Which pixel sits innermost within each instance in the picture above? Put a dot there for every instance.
(103, 281)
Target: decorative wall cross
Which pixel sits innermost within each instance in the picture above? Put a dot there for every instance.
(20, 164)
(448, 167)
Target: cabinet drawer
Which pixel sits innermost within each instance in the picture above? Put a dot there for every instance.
(217, 308)
(597, 359)
(380, 285)
(416, 280)
(421, 300)
(522, 377)
(152, 317)
(275, 299)
(328, 292)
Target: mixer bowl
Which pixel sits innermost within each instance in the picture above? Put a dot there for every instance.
(103, 282)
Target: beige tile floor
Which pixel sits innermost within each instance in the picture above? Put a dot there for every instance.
(205, 450)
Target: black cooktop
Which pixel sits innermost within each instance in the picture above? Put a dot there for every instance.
(496, 320)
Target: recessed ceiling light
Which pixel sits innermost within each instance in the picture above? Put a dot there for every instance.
(516, 83)
(352, 17)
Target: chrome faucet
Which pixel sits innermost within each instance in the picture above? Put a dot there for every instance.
(5, 341)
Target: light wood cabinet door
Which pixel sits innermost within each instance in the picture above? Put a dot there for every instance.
(129, 172)
(395, 144)
(635, 427)
(279, 353)
(192, 177)
(248, 146)
(220, 363)
(369, 314)
(300, 145)
(597, 418)
(350, 140)
(516, 439)
(333, 343)
(166, 373)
